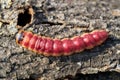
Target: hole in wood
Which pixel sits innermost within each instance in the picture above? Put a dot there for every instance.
(25, 17)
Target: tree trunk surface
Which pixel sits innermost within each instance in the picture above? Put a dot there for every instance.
(59, 19)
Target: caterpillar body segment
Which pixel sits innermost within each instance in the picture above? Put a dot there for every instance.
(57, 47)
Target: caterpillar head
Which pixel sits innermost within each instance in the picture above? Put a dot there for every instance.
(19, 36)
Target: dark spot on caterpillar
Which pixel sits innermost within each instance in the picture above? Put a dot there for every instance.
(19, 37)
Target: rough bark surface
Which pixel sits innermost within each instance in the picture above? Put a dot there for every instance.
(59, 19)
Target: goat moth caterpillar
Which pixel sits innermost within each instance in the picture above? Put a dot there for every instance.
(58, 47)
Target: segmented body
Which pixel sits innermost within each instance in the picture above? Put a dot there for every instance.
(57, 47)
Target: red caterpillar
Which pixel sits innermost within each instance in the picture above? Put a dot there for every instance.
(57, 47)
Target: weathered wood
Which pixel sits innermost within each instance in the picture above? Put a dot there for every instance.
(59, 19)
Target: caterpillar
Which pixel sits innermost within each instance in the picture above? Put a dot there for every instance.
(58, 47)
